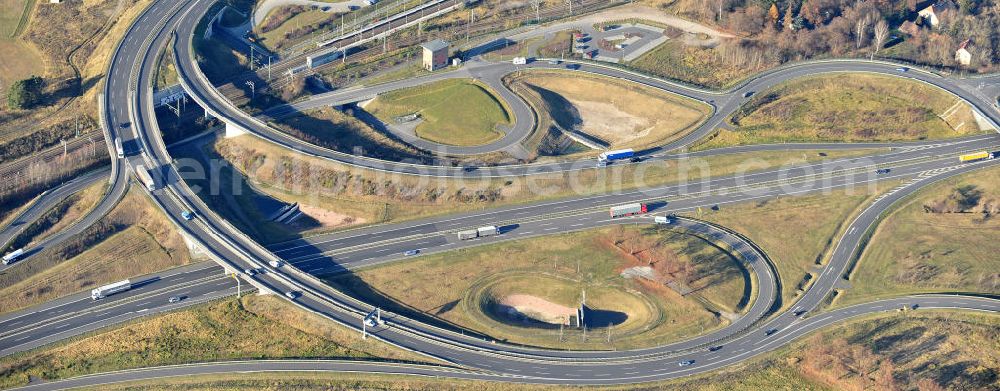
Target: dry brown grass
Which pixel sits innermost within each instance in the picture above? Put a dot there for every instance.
(19, 61)
(145, 243)
(929, 244)
(80, 46)
(254, 327)
(624, 115)
(279, 311)
(795, 232)
(951, 350)
(80, 204)
(848, 107)
(379, 197)
(547, 267)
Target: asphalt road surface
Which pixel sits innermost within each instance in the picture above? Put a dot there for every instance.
(919, 166)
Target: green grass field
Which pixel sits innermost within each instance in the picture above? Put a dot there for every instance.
(454, 112)
(547, 267)
(795, 232)
(255, 327)
(847, 107)
(934, 243)
(955, 351)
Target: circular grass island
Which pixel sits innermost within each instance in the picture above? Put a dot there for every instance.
(456, 112)
(633, 287)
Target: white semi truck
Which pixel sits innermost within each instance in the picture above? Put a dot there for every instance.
(119, 147)
(12, 256)
(480, 232)
(110, 289)
(145, 177)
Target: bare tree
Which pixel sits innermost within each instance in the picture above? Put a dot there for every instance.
(537, 4)
(859, 30)
(881, 33)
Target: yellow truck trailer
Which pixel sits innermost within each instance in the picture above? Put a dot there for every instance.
(971, 157)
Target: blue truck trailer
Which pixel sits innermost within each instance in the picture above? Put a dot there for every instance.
(606, 157)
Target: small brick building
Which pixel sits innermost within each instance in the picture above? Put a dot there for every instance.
(435, 54)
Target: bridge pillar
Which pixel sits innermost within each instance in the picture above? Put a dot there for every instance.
(234, 130)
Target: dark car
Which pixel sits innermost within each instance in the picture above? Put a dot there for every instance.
(748, 94)
(125, 125)
(770, 332)
(882, 171)
(715, 348)
(635, 159)
(573, 66)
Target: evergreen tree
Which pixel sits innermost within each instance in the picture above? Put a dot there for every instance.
(23, 94)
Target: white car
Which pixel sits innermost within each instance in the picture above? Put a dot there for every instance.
(291, 294)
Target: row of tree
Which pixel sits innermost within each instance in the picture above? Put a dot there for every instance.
(787, 30)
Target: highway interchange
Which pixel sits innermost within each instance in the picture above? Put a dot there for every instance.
(129, 114)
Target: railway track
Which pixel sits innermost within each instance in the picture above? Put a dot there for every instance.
(236, 91)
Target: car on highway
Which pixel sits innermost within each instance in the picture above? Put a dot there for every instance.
(187, 215)
(685, 363)
(174, 299)
(370, 322)
(276, 264)
(635, 159)
(748, 94)
(125, 125)
(410, 253)
(250, 271)
(291, 294)
(573, 66)
(882, 171)
(798, 312)
(770, 332)
(902, 69)
(715, 348)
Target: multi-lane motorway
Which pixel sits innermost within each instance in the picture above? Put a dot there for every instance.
(130, 115)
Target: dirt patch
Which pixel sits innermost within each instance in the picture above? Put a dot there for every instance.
(625, 115)
(328, 218)
(535, 308)
(609, 123)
